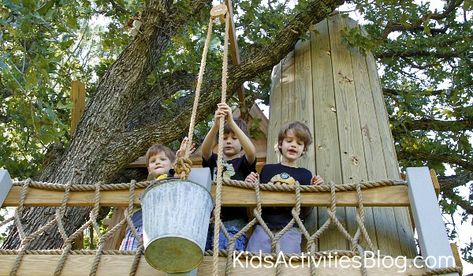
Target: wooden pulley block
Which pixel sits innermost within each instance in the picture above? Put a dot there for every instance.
(219, 11)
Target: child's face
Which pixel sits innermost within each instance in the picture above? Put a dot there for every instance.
(291, 147)
(231, 145)
(159, 164)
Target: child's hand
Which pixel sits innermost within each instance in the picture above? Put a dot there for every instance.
(182, 149)
(225, 111)
(317, 180)
(252, 177)
(218, 114)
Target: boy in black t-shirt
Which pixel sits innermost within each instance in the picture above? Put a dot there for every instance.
(239, 160)
(293, 141)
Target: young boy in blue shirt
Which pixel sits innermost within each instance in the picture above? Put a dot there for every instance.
(239, 160)
(293, 140)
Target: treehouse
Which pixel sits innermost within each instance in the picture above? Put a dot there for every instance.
(364, 207)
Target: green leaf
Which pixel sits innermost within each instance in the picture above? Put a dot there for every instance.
(468, 5)
(46, 7)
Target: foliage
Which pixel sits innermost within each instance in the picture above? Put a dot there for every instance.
(426, 58)
(424, 55)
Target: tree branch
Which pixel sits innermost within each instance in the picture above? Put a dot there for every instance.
(118, 7)
(421, 155)
(405, 53)
(397, 26)
(145, 111)
(458, 200)
(260, 61)
(436, 125)
(396, 92)
(433, 31)
(453, 181)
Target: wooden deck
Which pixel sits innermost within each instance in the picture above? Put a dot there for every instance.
(78, 265)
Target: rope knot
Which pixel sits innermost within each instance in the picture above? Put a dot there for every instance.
(183, 167)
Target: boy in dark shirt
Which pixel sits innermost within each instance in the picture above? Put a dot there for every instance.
(239, 160)
(293, 141)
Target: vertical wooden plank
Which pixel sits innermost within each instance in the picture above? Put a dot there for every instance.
(274, 113)
(350, 139)
(303, 105)
(288, 89)
(403, 223)
(78, 103)
(351, 145)
(433, 239)
(5, 185)
(113, 243)
(303, 111)
(326, 146)
(235, 52)
(381, 218)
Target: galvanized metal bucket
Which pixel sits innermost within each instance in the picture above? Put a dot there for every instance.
(176, 216)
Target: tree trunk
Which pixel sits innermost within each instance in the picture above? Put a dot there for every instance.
(103, 144)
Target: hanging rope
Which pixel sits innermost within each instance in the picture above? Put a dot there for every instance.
(184, 164)
(218, 192)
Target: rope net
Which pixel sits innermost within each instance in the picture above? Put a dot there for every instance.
(312, 238)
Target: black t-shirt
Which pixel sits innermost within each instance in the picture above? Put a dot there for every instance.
(236, 169)
(278, 217)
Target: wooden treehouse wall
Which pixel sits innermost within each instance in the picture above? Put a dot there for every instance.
(335, 90)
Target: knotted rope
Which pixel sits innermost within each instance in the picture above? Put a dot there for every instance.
(356, 248)
(183, 167)
(184, 164)
(273, 187)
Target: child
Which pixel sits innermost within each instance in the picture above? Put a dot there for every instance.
(239, 160)
(159, 160)
(293, 140)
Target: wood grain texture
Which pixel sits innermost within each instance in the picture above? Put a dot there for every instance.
(231, 196)
(77, 265)
(326, 145)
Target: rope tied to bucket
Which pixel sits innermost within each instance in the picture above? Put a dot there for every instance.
(183, 163)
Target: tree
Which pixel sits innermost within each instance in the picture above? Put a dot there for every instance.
(137, 85)
(115, 127)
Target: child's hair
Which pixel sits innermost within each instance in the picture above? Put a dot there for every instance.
(299, 129)
(240, 123)
(157, 148)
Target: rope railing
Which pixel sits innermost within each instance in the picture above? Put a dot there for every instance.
(275, 187)
(361, 232)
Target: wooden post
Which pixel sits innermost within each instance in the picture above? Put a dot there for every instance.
(235, 55)
(78, 103)
(433, 239)
(435, 181)
(456, 254)
(113, 243)
(5, 185)
(78, 106)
